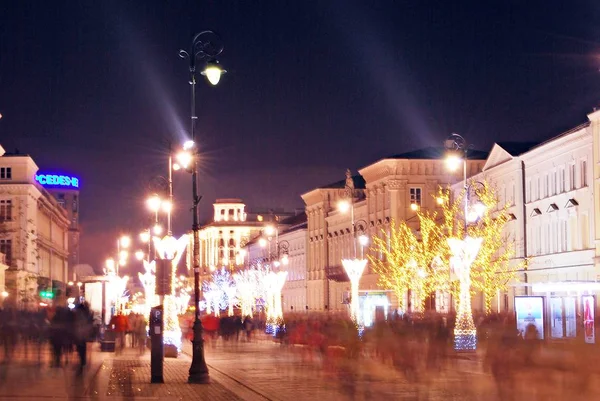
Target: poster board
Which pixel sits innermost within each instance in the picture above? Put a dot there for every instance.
(530, 310)
(588, 306)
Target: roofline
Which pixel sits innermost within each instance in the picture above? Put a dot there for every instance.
(554, 138)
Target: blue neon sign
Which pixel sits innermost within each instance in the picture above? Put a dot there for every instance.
(53, 180)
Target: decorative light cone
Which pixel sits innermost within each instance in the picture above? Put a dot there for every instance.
(464, 253)
(230, 292)
(354, 268)
(171, 248)
(245, 284)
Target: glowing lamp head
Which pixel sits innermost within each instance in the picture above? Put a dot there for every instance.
(285, 260)
(110, 264)
(166, 206)
(139, 255)
(145, 237)
(79, 283)
(184, 159)
(276, 263)
(343, 206)
(453, 161)
(157, 229)
(123, 255)
(125, 241)
(414, 207)
(122, 262)
(213, 72)
(187, 145)
(70, 283)
(476, 212)
(363, 240)
(242, 252)
(153, 203)
(262, 242)
(439, 200)
(269, 230)
(4, 294)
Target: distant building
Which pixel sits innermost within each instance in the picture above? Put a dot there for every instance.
(33, 232)
(66, 191)
(222, 239)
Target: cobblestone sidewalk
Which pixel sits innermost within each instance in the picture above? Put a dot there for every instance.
(127, 377)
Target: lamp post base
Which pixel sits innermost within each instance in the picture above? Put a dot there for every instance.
(198, 373)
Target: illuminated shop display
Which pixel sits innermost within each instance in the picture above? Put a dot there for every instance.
(530, 310)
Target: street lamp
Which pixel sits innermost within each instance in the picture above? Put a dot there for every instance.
(356, 266)
(463, 251)
(206, 46)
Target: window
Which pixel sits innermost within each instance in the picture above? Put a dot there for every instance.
(572, 176)
(554, 184)
(6, 249)
(547, 187)
(5, 173)
(415, 196)
(562, 179)
(584, 173)
(539, 187)
(5, 210)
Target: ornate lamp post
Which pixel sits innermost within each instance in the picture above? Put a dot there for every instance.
(463, 251)
(355, 266)
(206, 46)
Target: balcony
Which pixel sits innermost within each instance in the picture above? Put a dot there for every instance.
(336, 273)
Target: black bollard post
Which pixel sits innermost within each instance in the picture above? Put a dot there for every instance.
(156, 341)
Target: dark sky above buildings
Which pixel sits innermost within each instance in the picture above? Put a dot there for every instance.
(96, 89)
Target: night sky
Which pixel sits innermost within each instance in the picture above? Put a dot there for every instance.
(96, 89)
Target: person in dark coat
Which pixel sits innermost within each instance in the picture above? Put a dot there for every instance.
(59, 333)
(83, 331)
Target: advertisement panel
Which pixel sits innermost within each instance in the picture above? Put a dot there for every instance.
(530, 310)
(589, 313)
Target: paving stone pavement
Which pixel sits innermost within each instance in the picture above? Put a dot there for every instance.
(280, 374)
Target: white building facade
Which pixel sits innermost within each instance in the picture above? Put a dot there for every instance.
(384, 192)
(288, 243)
(34, 232)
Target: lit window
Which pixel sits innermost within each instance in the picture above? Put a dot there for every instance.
(415, 196)
(584, 173)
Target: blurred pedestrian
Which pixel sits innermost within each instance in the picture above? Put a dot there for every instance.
(83, 331)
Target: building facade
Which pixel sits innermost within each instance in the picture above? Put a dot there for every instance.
(33, 234)
(384, 191)
(66, 191)
(549, 188)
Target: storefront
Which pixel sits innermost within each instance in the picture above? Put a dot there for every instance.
(373, 305)
(559, 310)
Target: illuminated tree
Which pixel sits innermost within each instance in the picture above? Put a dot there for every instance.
(396, 269)
(492, 269)
(420, 261)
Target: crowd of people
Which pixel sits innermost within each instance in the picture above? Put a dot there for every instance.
(64, 329)
(416, 346)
